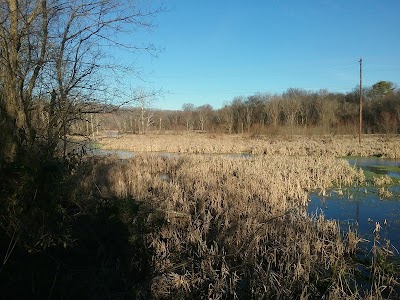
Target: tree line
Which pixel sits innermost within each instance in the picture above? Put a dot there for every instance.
(295, 110)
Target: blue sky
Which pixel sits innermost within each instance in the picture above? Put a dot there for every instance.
(216, 50)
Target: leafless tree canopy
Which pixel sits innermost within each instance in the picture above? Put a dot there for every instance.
(55, 51)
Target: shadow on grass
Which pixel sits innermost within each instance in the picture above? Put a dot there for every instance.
(60, 242)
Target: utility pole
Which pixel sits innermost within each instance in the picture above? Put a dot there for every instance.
(360, 130)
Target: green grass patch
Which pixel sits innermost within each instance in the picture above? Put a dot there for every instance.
(387, 168)
(369, 175)
(96, 145)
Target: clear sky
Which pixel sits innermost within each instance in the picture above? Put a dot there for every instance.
(215, 50)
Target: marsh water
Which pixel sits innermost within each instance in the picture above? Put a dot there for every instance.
(362, 208)
(379, 166)
(359, 208)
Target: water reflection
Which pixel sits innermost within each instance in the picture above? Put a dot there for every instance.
(361, 208)
(361, 211)
(377, 165)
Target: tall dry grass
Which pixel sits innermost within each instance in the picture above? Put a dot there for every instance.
(344, 145)
(237, 228)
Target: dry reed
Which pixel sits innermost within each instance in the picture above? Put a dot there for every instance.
(381, 146)
(236, 228)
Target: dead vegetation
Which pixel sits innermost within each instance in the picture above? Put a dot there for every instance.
(236, 228)
(338, 146)
(382, 180)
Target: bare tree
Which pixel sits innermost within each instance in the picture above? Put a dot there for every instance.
(327, 107)
(255, 110)
(227, 117)
(204, 113)
(55, 49)
(292, 105)
(273, 110)
(23, 52)
(188, 109)
(146, 115)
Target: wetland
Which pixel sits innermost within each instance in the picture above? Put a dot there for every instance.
(290, 199)
(375, 215)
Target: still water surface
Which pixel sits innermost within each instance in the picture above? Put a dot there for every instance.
(361, 208)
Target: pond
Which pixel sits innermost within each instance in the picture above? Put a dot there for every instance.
(362, 208)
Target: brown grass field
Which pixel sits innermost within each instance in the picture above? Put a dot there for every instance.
(300, 145)
(224, 227)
